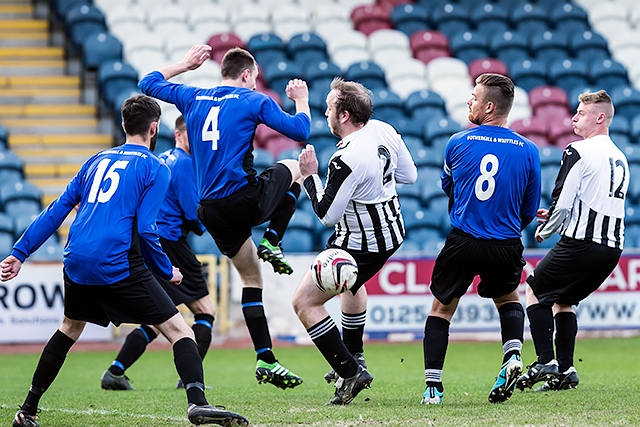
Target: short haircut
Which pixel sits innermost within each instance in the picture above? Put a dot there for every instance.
(354, 98)
(181, 125)
(235, 61)
(499, 90)
(600, 97)
(138, 112)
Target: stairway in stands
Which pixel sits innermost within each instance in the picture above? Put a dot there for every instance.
(41, 106)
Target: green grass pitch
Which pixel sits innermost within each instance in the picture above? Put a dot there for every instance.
(609, 372)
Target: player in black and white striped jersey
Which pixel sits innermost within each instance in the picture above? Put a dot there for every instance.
(588, 212)
(360, 199)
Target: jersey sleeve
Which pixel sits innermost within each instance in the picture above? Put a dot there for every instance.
(531, 199)
(296, 127)
(188, 196)
(154, 84)
(406, 171)
(49, 219)
(148, 209)
(330, 202)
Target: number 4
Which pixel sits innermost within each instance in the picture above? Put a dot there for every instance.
(210, 130)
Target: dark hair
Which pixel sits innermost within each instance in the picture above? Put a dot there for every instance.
(500, 91)
(181, 125)
(235, 61)
(354, 98)
(138, 112)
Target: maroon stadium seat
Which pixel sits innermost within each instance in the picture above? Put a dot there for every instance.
(533, 128)
(221, 43)
(369, 18)
(429, 44)
(486, 65)
(561, 132)
(548, 102)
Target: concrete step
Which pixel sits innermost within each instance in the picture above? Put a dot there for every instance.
(24, 26)
(15, 11)
(31, 53)
(32, 68)
(32, 111)
(26, 39)
(98, 141)
(55, 155)
(34, 169)
(26, 95)
(51, 125)
(46, 82)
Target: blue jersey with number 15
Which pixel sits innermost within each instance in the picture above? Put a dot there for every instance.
(119, 192)
(221, 122)
(492, 175)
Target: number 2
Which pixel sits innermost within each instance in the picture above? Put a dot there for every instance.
(210, 130)
(618, 194)
(487, 176)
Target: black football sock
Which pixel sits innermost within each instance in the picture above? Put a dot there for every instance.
(282, 216)
(202, 329)
(512, 329)
(353, 331)
(253, 311)
(326, 337)
(566, 331)
(541, 326)
(189, 366)
(51, 360)
(134, 346)
(434, 344)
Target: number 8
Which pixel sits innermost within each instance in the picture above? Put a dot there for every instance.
(487, 175)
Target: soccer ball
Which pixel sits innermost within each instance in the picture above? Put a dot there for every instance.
(334, 271)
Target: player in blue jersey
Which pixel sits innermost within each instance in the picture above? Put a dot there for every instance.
(111, 242)
(492, 177)
(176, 218)
(222, 122)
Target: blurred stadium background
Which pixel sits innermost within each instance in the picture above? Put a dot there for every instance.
(67, 65)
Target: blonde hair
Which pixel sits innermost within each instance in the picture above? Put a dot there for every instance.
(600, 97)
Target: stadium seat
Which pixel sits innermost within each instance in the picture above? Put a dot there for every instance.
(441, 71)
(533, 128)
(588, 46)
(509, 47)
(321, 137)
(429, 44)
(411, 131)
(425, 104)
(207, 19)
(83, 20)
(634, 128)
(561, 132)
(420, 219)
(115, 76)
(307, 48)
(11, 167)
(221, 43)
(298, 241)
(528, 73)
(633, 193)
(486, 65)
(451, 18)
(469, 46)
(203, 244)
(169, 19)
(324, 155)
(490, 18)
(50, 251)
(549, 101)
(249, 19)
(317, 100)
(608, 74)
(549, 46)
(368, 18)
(320, 74)
(278, 74)
(20, 198)
(402, 71)
(438, 131)
(267, 48)
(4, 136)
(410, 18)
(348, 48)
(626, 100)
(568, 73)
(368, 73)
(529, 18)
(570, 17)
(387, 106)
(619, 130)
(426, 156)
(100, 47)
(387, 45)
(625, 47)
(262, 159)
(609, 19)
(61, 7)
(290, 19)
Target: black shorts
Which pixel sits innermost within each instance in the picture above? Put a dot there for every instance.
(369, 263)
(571, 271)
(498, 263)
(229, 220)
(194, 285)
(137, 299)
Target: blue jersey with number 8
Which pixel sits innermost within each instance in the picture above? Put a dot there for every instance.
(492, 175)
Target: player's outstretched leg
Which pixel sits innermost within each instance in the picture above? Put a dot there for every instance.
(506, 381)
(273, 255)
(276, 374)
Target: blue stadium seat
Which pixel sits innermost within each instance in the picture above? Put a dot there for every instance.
(529, 18)
(203, 244)
(318, 100)
(569, 73)
(278, 74)
(166, 139)
(438, 131)
(11, 167)
(321, 137)
(100, 47)
(410, 18)
(118, 99)
(550, 156)
(634, 128)
(633, 193)
(528, 73)
(451, 18)
(267, 48)
(420, 219)
(4, 137)
(20, 198)
(608, 74)
(509, 47)
(572, 95)
(490, 18)
(114, 76)
(549, 46)
(323, 155)
(570, 17)
(50, 251)
(626, 100)
(6, 244)
(549, 173)
(409, 129)
(262, 159)
(307, 48)
(61, 7)
(320, 74)
(631, 151)
(632, 236)
(296, 241)
(424, 105)
(619, 131)
(408, 191)
(588, 46)
(387, 106)
(469, 46)
(428, 156)
(83, 20)
(368, 73)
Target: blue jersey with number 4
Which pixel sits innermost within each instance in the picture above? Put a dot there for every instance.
(492, 175)
(221, 122)
(119, 192)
